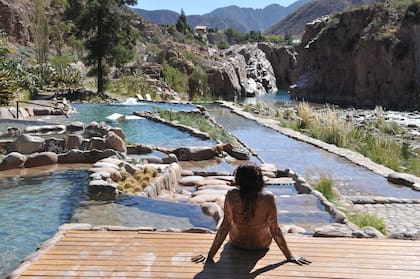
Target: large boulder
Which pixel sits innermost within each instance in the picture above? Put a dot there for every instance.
(27, 144)
(115, 142)
(12, 161)
(41, 159)
(196, 153)
(75, 126)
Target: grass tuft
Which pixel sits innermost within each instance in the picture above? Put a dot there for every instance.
(325, 186)
(366, 219)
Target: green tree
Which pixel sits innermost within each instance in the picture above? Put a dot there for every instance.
(182, 24)
(41, 32)
(108, 32)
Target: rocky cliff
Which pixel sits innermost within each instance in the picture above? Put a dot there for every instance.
(364, 57)
(16, 20)
(252, 69)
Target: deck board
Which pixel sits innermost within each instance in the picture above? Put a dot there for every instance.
(131, 254)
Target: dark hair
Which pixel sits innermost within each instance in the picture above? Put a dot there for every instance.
(250, 180)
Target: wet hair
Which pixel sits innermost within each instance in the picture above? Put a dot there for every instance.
(250, 181)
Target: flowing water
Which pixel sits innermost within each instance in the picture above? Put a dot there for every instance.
(306, 159)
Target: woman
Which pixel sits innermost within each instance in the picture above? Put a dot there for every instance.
(250, 217)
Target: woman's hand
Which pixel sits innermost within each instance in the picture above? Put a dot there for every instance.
(201, 259)
(298, 260)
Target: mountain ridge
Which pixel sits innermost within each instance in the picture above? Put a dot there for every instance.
(242, 19)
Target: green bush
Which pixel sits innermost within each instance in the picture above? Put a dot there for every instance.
(366, 219)
(325, 186)
(177, 80)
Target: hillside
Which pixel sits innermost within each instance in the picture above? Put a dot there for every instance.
(242, 19)
(295, 22)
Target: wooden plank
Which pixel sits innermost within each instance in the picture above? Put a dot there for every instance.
(128, 254)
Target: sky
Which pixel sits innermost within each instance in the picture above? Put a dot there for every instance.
(199, 7)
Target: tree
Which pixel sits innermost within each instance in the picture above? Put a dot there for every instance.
(182, 24)
(41, 30)
(108, 33)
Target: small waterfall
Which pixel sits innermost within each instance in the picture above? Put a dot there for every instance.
(130, 101)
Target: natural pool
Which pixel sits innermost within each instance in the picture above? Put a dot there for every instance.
(142, 131)
(32, 208)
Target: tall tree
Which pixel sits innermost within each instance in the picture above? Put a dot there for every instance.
(182, 24)
(108, 32)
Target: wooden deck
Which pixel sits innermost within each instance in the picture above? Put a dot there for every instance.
(131, 254)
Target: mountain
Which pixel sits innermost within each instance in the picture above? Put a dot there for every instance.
(160, 17)
(242, 19)
(295, 22)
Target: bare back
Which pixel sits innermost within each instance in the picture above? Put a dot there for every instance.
(252, 232)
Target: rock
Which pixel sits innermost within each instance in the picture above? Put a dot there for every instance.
(153, 160)
(408, 235)
(17, 21)
(236, 153)
(403, 179)
(73, 142)
(139, 149)
(333, 230)
(203, 198)
(210, 181)
(190, 180)
(283, 59)
(213, 192)
(42, 111)
(101, 164)
(102, 190)
(213, 210)
(113, 141)
(119, 132)
(115, 174)
(45, 129)
(346, 73)
(41, 159)
(75, 126)
(27, 144)
(95, 129)
(217, 187)
(372, 232)
(196, 153)
(12, 161)
(171, 158)
(97, 143)
(90, 156)
(54, 145)
(296, 229)
(131, 169)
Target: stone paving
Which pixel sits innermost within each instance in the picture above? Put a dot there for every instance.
(398, 217)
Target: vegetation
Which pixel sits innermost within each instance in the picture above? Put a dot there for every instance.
(109, 34)
(130, 85)
(375, 140)
(366, 219)
(325, 186)
(136, 183)
(201, 123)
(176, 79)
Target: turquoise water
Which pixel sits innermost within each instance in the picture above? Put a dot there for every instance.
(31, 210)
(141, 130)
(279, 97)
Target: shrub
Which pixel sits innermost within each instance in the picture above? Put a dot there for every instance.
(325, 186)
(366, 219)
(175, 78)
(138, 181)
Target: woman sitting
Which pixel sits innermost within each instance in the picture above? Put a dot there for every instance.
(250, 217)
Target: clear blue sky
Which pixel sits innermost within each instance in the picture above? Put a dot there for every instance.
(197, 7)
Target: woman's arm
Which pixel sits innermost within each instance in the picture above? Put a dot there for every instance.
(223, 229)
(275, 228)
(277, 234)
